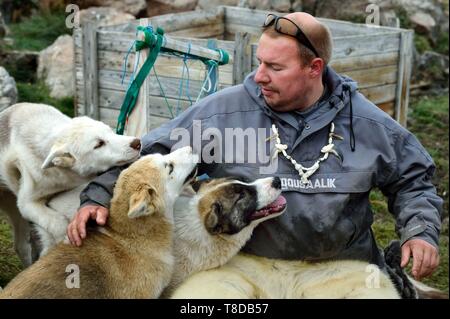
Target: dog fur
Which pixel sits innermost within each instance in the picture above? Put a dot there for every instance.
(207, 236)
(44, 152)
(248, 277)
(131, 257)
(214, 224)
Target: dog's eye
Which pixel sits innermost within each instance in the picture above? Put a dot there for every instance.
(218, 208)
(170, 165)
(99, 144)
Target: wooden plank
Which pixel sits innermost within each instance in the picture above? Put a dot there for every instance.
(183, 20)
(404, 78)
(243, 62)
(90, 70)
(380, 94)
(165, 65)
(170, 85)
(157, 105)
(232, 29)
(109, 117)
(361, 47)
(121, 42)
(203, 31)
(345, 28)
(374, 76)
(364, 62)
(365, 45)
(236, 17)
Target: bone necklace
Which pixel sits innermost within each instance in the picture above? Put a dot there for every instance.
(305, 172)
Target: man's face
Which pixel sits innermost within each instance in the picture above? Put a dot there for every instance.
(284, 82)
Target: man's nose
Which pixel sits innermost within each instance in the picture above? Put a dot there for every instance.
(261, 75)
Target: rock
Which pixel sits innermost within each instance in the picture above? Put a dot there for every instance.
(104, 16)
(55, 67)
(211, 4)
(133, 7)
(159, 7)
(432, 68)
(424, 23)
(8, 89)
(273, 5)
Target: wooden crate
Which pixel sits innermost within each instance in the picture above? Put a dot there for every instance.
(378, 58)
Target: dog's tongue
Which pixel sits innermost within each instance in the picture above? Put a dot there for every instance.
(275, 207)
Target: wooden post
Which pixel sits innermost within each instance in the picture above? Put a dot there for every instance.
(242, 57)
(404, 77)
(90, 70)
(139, 119)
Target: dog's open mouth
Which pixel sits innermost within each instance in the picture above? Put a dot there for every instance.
(273, 208)
(191, 176)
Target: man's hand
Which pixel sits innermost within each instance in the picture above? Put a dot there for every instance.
(76, 231)
(425, 257)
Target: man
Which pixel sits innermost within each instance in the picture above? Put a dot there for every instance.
(334, 147)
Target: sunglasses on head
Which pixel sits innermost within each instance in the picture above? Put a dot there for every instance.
(288, 27)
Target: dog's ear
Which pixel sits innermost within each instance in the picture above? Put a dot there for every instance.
(144, 202)
(212, 219)
(58, 156)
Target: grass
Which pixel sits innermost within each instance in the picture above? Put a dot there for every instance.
(428, 120)
(38, 31)
(9, 262)
(39, 93)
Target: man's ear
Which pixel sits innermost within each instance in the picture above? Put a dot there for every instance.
(59, 156)
(144, 202)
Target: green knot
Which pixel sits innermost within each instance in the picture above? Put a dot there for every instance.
(150, 37)
(224, 56)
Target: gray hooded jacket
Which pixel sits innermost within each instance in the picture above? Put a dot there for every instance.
(330, 216)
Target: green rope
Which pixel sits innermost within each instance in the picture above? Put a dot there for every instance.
(154, 42)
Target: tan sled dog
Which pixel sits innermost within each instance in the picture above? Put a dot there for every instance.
(131, 257)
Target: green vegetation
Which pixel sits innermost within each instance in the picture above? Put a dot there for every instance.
(39, 93)
(38, 31)
(429, 121)
(9, 262)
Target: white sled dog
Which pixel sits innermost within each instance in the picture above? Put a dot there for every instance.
(44, 152)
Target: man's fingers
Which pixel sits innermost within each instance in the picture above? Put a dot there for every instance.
(425, 268)
(406, 252)
(417, 263)
(102, 214)
(82, 221)
(69, 233)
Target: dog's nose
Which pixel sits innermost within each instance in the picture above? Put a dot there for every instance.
(136, 144)
(276, 183)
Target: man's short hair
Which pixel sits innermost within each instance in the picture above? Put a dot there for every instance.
(321, 40)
